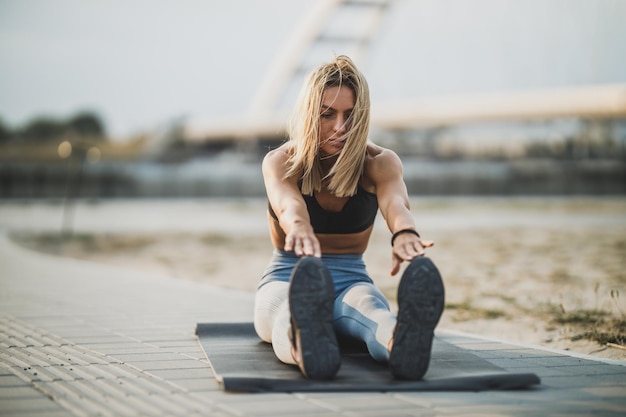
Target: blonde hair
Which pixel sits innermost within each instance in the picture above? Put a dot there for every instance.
(304, 128)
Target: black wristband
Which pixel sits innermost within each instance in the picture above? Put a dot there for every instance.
(399, 232)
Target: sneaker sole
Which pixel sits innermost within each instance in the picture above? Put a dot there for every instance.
(420, 305)
(311, 302)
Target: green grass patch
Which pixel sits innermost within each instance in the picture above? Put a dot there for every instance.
(581, 317)
(610, 331)
(591, 324)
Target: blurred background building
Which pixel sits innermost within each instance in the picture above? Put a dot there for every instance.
(182, 99)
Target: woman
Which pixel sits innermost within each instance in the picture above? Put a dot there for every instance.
(324, 187)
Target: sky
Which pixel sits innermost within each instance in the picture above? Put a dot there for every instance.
(141, 64)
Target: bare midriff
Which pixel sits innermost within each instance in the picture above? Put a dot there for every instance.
(349, 243)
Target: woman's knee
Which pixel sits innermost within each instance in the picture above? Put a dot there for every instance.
(362, 297)
(269, 300)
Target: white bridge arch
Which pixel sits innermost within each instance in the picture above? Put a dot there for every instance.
(352, 27)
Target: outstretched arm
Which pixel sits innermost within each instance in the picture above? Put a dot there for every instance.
(286, 200)
(393, 200)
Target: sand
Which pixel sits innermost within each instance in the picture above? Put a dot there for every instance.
(536, 271)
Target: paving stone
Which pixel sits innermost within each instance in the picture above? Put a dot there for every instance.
(359, 402)
(191, 343)
(182, 364)
(19, 406)
(568, 382)
(134, 348)
(593, 369)
(487, 347)
(609, 392)
(158, 355)
(43, 413)
(10, 380)
(199, 384)
(288, 405)
(95, 340)
(175, 374)
(23, 391)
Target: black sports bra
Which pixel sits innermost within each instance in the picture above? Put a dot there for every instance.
(357, 214)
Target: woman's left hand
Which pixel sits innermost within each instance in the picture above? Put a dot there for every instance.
(406, 248)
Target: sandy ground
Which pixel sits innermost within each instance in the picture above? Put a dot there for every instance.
(538, 271)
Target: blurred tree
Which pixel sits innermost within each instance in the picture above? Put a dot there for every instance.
(5, 132)
(87, 124)
(44, 128)
(41, 129)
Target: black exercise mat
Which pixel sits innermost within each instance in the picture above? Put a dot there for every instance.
(242, 362)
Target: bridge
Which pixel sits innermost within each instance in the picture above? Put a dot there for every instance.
(351, 27)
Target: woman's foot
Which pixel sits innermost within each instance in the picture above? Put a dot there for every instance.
(311, 299)
(420, 304)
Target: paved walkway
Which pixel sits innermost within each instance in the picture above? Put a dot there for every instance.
(82, 339)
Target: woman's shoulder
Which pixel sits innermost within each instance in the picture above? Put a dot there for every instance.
(277, 163)
(378, 156)
(278, 155)
(381, 165)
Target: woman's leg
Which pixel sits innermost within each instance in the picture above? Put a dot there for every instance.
(421, 299)
(362, 311)
(272, 318)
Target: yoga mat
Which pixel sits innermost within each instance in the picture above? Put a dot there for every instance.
(242, 362)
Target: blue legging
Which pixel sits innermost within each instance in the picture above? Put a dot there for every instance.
(360, 310)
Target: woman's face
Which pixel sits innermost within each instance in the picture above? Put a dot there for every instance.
(337, 107)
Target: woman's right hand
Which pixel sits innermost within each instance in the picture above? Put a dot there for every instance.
(302, 241)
